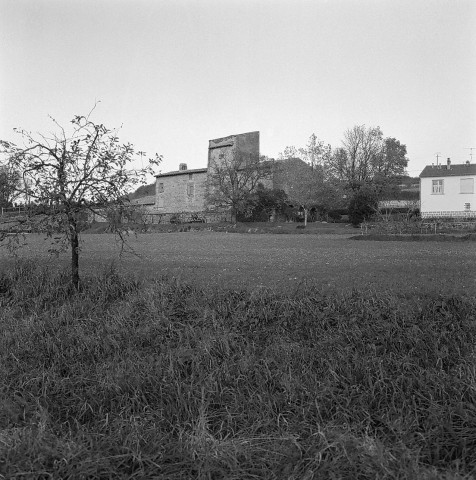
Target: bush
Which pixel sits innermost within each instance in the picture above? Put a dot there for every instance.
(362, 206)
(334, 215)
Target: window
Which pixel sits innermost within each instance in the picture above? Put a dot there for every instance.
(467, 185)
(190, 189)
(467, 207)
(161, 188)
(437, 187)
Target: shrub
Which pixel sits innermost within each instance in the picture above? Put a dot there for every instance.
(363, 204)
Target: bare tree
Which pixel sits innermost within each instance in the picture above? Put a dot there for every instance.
(366, 155)
(67, 175)
(315, 153)
(233, 178)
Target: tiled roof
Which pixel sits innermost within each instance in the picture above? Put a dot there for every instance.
(456, 170)
(183, 172)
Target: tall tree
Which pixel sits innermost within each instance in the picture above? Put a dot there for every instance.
(365, 156)
(304, 174)
(303, 184)
(233, 178)
(72, 173)
(10, 182)
(315, 153)
(393, 159)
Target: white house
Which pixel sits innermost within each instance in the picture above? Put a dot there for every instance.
(448, 190)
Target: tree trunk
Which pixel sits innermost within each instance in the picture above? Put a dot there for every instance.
(74, 256)
(305, 217)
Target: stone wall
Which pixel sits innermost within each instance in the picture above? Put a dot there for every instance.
(184, 190)
(181, 191)
(242, 144)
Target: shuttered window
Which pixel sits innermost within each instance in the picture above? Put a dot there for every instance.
(467, 185)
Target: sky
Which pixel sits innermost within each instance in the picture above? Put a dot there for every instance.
(173, 74)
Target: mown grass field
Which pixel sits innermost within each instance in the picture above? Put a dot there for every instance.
(357, 361)
(279, 261)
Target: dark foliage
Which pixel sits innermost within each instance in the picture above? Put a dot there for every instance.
(262, 204)
(362, 205)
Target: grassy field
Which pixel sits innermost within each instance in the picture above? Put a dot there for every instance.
(163, 380)
(218, 259)
(265, 357)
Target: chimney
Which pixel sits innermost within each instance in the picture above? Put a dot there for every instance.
(183, 166)
(448, 163)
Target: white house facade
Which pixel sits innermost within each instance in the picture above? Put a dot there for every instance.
(448, 191)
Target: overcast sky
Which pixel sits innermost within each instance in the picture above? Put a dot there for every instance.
(176, 73)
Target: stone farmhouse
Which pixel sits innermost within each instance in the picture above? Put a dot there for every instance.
(179, 195)
(448, 191)
(184, 190)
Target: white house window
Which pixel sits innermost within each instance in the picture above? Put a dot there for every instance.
(467, 207)
(190, 176)
(437, 187)
(190, 189)
(161, 188)
(467, 185)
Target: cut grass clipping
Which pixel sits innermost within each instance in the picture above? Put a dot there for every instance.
(125, 380)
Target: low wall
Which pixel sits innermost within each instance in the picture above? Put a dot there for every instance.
(449, 214)
(152, 217)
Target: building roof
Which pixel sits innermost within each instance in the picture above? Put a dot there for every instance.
(182, 172)
(149, 200)
(456, 170)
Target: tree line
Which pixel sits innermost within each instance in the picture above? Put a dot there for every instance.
(352, 177)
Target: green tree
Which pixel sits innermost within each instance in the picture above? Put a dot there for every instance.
(362, 205)
(263, 203)
(303, 184)
(10, 182)
(303, 170)
(71, 174)
(392, 160)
